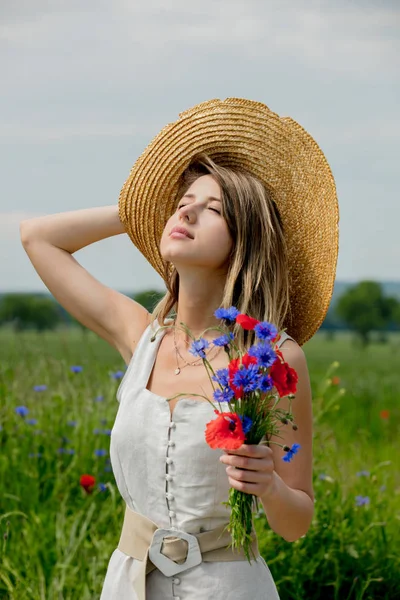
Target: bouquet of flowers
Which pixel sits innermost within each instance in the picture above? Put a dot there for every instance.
(248, 392)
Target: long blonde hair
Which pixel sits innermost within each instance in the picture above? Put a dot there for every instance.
(257, 281)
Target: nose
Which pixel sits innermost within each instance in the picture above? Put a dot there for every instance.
(187, 213)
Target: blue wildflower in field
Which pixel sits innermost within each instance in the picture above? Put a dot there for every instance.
(362, 500)
(102, 487)
(291, 452)
(264, 354)
(76, 369)
(227, 314)
(71, 423)
(247, 377)
(223, 340)
(31, 421)
(100, 452)
(99, 398)
(96, 431)
(225, 395)
(246, 423)
(22, 410)
(66, 451)
(265, 331)
(39, 388)
(117, 375)
(198, 346)
(107, 468)
(362, 474)
(107, 431)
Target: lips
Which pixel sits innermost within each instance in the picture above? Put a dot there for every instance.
(181, 230)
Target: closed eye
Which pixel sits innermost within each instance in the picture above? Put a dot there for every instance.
(214, 209)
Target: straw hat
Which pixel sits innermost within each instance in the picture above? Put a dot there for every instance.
(240, 132)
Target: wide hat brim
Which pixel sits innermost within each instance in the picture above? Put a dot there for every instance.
(277, 150)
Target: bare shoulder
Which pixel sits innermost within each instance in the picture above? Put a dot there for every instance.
(134, 319)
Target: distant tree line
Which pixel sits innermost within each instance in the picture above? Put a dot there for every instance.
(362, 308)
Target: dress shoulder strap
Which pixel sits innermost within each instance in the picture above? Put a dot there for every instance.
(284, 336)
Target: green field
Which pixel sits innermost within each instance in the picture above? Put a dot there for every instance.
(56, 539)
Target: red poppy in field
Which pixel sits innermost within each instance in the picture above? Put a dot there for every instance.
(335, 380)
(284, 377)
(246, 322)
(225, 431)
(87, 482)
(384, 414)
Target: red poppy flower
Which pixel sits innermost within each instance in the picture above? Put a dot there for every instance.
(284, 377)
(233, 366)
(384, 414)
(335, 380)
(87, 482)
(246, 322)
(225, 431)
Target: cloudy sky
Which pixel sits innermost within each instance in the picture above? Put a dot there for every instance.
(86, 85)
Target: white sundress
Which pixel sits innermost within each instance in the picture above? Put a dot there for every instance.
(165, 470)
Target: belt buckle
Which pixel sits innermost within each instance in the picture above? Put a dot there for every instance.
(167, 566)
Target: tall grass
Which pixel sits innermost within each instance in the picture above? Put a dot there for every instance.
(56, 539)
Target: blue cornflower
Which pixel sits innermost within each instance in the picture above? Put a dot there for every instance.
(118, 375)
(221, 376)
(246, 377)
(362, 474)
(107, 431)
(69, 451)
(71, 423)
(61, 450)
(99, 398)
(291, 452)
(107, 468)
(198, 346)
(223, 340)
(224, 395)
(31, 421)
(22, 410)
(265, 331)
(100, 452)
(39, 388)
(96, 431)
(76, 369)
(246, 423)
(264, 353)
(228, 314)
(362, 500)
(265, 383)
(102, 487)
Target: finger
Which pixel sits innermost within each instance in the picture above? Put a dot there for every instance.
(252, 450)
(245, 462)
(247, 476)
(248, 488)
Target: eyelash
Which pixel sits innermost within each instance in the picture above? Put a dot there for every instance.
(214, 209)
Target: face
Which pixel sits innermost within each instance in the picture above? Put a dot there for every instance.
(199, 212)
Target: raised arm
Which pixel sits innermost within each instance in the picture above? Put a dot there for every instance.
(50, 242)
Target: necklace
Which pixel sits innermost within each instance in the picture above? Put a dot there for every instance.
(188, 364)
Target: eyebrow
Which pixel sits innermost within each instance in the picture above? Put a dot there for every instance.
(209, 197)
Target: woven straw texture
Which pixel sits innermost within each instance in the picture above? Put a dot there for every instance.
(241, 132)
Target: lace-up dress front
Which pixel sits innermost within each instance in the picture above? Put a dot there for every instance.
(165, 470)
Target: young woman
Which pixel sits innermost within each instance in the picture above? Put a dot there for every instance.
(233, 206)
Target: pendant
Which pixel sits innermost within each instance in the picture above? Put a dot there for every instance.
(177, 371)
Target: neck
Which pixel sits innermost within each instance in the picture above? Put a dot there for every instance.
(198, 298)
